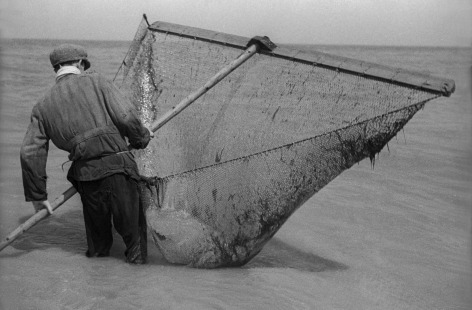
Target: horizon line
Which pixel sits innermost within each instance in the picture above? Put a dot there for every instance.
(286, 44)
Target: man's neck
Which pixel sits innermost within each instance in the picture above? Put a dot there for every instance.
(65, 70)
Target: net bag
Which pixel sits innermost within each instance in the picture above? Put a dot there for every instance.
(225, 174)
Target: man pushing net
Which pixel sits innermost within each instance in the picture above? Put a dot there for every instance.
(87, 116)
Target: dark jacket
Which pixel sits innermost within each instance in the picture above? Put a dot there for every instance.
(87, 116)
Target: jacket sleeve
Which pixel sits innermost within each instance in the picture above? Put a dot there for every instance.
(33, 158)
(124, 116)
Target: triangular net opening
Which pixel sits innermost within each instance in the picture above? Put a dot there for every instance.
(232, 167)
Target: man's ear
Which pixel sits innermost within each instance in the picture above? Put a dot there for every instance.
(81, 65)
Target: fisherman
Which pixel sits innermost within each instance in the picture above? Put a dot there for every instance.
(87, 116)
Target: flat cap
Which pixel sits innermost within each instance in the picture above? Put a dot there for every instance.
(69, 52)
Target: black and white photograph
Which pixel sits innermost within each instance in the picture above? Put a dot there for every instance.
(235, 154)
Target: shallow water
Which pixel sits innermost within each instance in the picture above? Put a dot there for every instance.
(393, 237)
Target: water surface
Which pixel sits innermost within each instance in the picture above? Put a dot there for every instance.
(396, 236)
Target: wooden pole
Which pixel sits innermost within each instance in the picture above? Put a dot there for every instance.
(37, 217)
(42, 214)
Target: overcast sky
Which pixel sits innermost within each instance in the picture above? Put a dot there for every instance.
(364, 22)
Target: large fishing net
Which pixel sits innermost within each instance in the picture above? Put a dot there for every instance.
(227, 172)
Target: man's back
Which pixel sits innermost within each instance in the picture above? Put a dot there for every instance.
(72, 106)
(86, 116)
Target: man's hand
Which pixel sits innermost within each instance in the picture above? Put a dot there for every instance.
(39, 205)
(151, 133)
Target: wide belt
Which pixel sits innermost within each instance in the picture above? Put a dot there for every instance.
(90, 134)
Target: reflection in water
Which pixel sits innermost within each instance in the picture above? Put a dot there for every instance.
(66, 232)
(278, 254)
(63, 230)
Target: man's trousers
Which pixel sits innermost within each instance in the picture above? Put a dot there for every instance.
(114, 199)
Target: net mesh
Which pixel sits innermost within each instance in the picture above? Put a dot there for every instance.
(233, 166)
